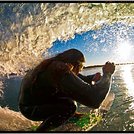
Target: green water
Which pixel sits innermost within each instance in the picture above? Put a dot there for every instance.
(86, 120)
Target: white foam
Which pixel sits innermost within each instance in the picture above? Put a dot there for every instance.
(26, 38)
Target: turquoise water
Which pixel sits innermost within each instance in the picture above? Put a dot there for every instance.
(121, 115)
(11, 90)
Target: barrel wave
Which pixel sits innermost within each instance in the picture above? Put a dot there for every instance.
(27, 30)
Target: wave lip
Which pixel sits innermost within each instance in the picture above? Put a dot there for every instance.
(29, 29)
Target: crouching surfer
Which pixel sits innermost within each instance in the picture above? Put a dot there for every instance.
(50, 91)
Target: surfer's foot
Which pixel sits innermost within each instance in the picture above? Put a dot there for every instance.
(51, 123)
(42, 127)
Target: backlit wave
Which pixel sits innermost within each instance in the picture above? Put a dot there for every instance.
(29, 29)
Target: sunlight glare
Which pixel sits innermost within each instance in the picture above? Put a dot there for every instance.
(124, 50)
(128, 79)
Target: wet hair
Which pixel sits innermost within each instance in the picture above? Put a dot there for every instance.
(72, 56)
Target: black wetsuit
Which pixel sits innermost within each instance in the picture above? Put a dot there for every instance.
(47, 98)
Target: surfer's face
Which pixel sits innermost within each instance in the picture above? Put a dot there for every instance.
(78, 68)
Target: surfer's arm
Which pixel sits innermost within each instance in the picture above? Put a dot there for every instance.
(84, 93)
(87, 78)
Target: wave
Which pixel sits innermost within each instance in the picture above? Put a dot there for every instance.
(27, 30)
(15, 121)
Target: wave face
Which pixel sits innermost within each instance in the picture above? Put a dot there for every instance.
(15, 121)
(29, 29)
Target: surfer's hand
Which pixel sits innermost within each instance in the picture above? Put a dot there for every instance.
(97, 77)
(108, 68)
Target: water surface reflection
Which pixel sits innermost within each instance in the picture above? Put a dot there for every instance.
(128, 77)
(121, 115)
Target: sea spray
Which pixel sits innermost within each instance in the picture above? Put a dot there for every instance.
(29, 29)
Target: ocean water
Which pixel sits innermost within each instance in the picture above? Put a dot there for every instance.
(27, 30)
(11, 88)
(121, 115)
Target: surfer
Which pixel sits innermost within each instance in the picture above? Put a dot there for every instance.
(50, 91)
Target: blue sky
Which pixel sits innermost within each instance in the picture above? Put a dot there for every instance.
(110, 43)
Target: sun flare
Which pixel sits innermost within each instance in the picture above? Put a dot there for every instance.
(124, 50)
(129, 81)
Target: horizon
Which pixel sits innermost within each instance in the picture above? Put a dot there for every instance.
(100, 65)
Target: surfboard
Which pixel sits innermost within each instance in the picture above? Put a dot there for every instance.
(90, 117)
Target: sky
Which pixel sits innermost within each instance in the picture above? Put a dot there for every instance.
(110, 43)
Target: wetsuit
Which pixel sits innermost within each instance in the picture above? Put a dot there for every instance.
(53, 93)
